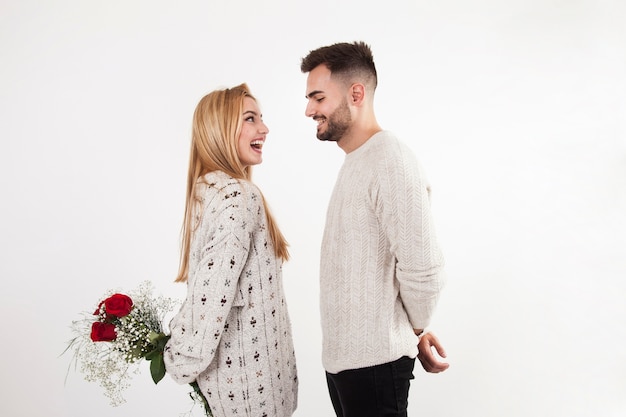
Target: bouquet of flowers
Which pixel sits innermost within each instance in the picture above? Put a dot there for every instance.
(110, 343)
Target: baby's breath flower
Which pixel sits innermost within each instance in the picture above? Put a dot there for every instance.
(113, 364)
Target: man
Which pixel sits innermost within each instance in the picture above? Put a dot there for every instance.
(381, 267)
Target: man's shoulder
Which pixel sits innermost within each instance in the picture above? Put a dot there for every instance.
(386, 148)
(388, 142)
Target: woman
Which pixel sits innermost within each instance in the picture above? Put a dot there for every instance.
(232, 335)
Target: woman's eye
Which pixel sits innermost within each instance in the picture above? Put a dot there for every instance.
(250, 119)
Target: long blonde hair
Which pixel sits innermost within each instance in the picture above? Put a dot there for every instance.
(216, 127)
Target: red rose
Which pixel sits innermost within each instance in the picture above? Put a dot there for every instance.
(118, 305)
(103, 332)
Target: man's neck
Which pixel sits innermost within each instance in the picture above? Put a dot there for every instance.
(354, 138)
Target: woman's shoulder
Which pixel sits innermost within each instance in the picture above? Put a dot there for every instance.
(218, 183)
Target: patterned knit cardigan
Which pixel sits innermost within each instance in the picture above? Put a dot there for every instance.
(233, 333)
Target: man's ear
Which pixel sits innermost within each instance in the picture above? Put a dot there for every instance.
(357, 94)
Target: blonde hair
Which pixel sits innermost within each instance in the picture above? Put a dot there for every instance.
(216, 127)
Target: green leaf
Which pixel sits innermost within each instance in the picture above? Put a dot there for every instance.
(157, 367)
(158, 340)
(153, 354)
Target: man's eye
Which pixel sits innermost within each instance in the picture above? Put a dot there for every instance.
(320, 99)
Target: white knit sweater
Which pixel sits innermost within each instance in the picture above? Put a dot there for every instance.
(233, 333)
(381, 266)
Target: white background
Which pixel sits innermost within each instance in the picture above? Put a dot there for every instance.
(516, 108)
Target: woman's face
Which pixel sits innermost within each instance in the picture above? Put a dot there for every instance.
(252, 137)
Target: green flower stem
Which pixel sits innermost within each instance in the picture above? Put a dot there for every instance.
(199, 393)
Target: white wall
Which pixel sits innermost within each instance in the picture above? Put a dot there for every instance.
(516, 108)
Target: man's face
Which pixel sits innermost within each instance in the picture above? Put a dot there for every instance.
(327, 105)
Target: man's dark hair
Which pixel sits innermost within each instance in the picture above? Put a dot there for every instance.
(345, 60)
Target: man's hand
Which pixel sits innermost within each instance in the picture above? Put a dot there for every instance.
(429, 362)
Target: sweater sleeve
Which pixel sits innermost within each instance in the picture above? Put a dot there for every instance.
(213, 288)
(403, 207)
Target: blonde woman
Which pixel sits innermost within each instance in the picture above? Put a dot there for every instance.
(232, 334)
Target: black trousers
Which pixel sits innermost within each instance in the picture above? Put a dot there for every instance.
(375, 391)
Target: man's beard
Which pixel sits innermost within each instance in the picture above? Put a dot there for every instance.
(337, 124)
